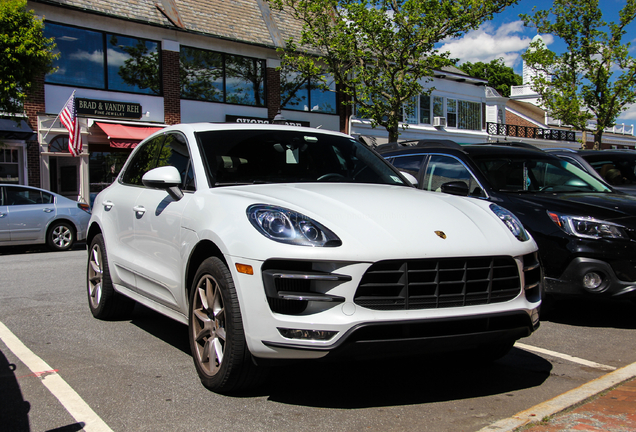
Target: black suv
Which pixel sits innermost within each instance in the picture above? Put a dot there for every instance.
(586, 232)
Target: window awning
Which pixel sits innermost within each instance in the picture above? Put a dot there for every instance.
(125, 136)
(20, 130)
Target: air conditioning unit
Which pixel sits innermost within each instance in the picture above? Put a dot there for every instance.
(439, 121)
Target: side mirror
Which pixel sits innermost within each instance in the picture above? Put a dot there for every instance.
(410, 177)
(165, 178)
(455, 188)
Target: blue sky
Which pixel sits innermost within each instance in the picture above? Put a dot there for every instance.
(506, 37)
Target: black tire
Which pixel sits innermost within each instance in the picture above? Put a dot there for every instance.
(60, 236)
(104, 302)
(217, 340)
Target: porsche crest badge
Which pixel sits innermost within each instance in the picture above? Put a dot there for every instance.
(440, 234)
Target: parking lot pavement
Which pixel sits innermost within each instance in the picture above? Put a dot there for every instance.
(605, 404)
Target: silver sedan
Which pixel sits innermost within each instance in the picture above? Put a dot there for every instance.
(30, 215)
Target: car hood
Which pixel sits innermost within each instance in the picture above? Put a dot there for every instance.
(378, 221)
(614, 207)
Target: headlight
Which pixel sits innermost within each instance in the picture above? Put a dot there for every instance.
(510, 220)
(588, 227)
(287, 226)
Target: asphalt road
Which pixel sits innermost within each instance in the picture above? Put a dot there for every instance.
(138, 375)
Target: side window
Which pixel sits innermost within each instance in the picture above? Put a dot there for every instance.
(23, 196)
(409, 164)
(47, 198)
(143, 160)
(175, 153)
(443, 169)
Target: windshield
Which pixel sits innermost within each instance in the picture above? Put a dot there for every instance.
(521, 174)
(617, 170)
(274, 156)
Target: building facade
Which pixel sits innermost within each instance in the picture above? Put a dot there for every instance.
(135, 67)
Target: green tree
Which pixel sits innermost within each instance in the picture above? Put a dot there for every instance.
(595, 78)
(379, 52)
(25, 54)
(499, 76)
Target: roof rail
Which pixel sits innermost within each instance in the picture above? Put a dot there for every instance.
(418, 144)
(512, 144)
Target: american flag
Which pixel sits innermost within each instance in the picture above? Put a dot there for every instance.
(69, 119)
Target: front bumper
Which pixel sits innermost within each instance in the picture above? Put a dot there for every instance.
(571, 281)
(354, 329)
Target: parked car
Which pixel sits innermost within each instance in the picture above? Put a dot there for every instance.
(279, 242)
(30, 215)
(586, 232)
(616, 167)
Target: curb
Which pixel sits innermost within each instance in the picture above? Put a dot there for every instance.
(566, 400)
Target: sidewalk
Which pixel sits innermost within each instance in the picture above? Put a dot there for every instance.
(612, 411)
(607, 403)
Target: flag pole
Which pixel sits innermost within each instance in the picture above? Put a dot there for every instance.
(58, 116)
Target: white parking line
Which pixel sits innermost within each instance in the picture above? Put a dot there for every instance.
(565, 357)
(69, 399)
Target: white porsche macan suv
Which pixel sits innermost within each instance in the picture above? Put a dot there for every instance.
(280, 242)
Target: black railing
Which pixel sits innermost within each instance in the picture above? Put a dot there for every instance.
(530, 132)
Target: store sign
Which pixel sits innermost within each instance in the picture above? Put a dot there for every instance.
(258, 120)
(102, 108)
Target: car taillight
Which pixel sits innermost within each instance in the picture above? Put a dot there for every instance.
(85, 207)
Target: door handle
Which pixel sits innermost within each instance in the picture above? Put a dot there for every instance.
(107, 205)
(47, 210)
(140, 210)
(3, 214)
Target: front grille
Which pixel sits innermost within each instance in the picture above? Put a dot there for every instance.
(438, 283)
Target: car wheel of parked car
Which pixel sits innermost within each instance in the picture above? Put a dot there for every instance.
(103, 300)
(61, 236)
(217, 341)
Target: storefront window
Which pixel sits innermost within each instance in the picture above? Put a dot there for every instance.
(217, 77)
(133, 63)
(9, 166)
(104, 167)
(244, 81)
(438, 106)
(469, 115)
(201, 74)
(425, 109)
(81, 60)
(451, 112)
(410, 111)
(302, 94)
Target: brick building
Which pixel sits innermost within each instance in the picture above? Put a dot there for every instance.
(135, 66)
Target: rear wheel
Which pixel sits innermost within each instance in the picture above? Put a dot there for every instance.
(61, 236)
(217, 340)
(103, 301)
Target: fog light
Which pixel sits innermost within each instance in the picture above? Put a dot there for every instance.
(592, 281)
(307, 334)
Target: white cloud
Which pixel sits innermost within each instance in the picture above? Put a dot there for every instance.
(95, 57)
(628, 116)
(488, 43)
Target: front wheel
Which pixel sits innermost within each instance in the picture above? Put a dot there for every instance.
(217, 340)
(61, 236)
(103, 301)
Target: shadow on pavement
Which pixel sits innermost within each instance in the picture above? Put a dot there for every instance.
(386, 382)
(14, 410)
(39, 248)
(402, 381)
(161, 327)
(592, 312)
